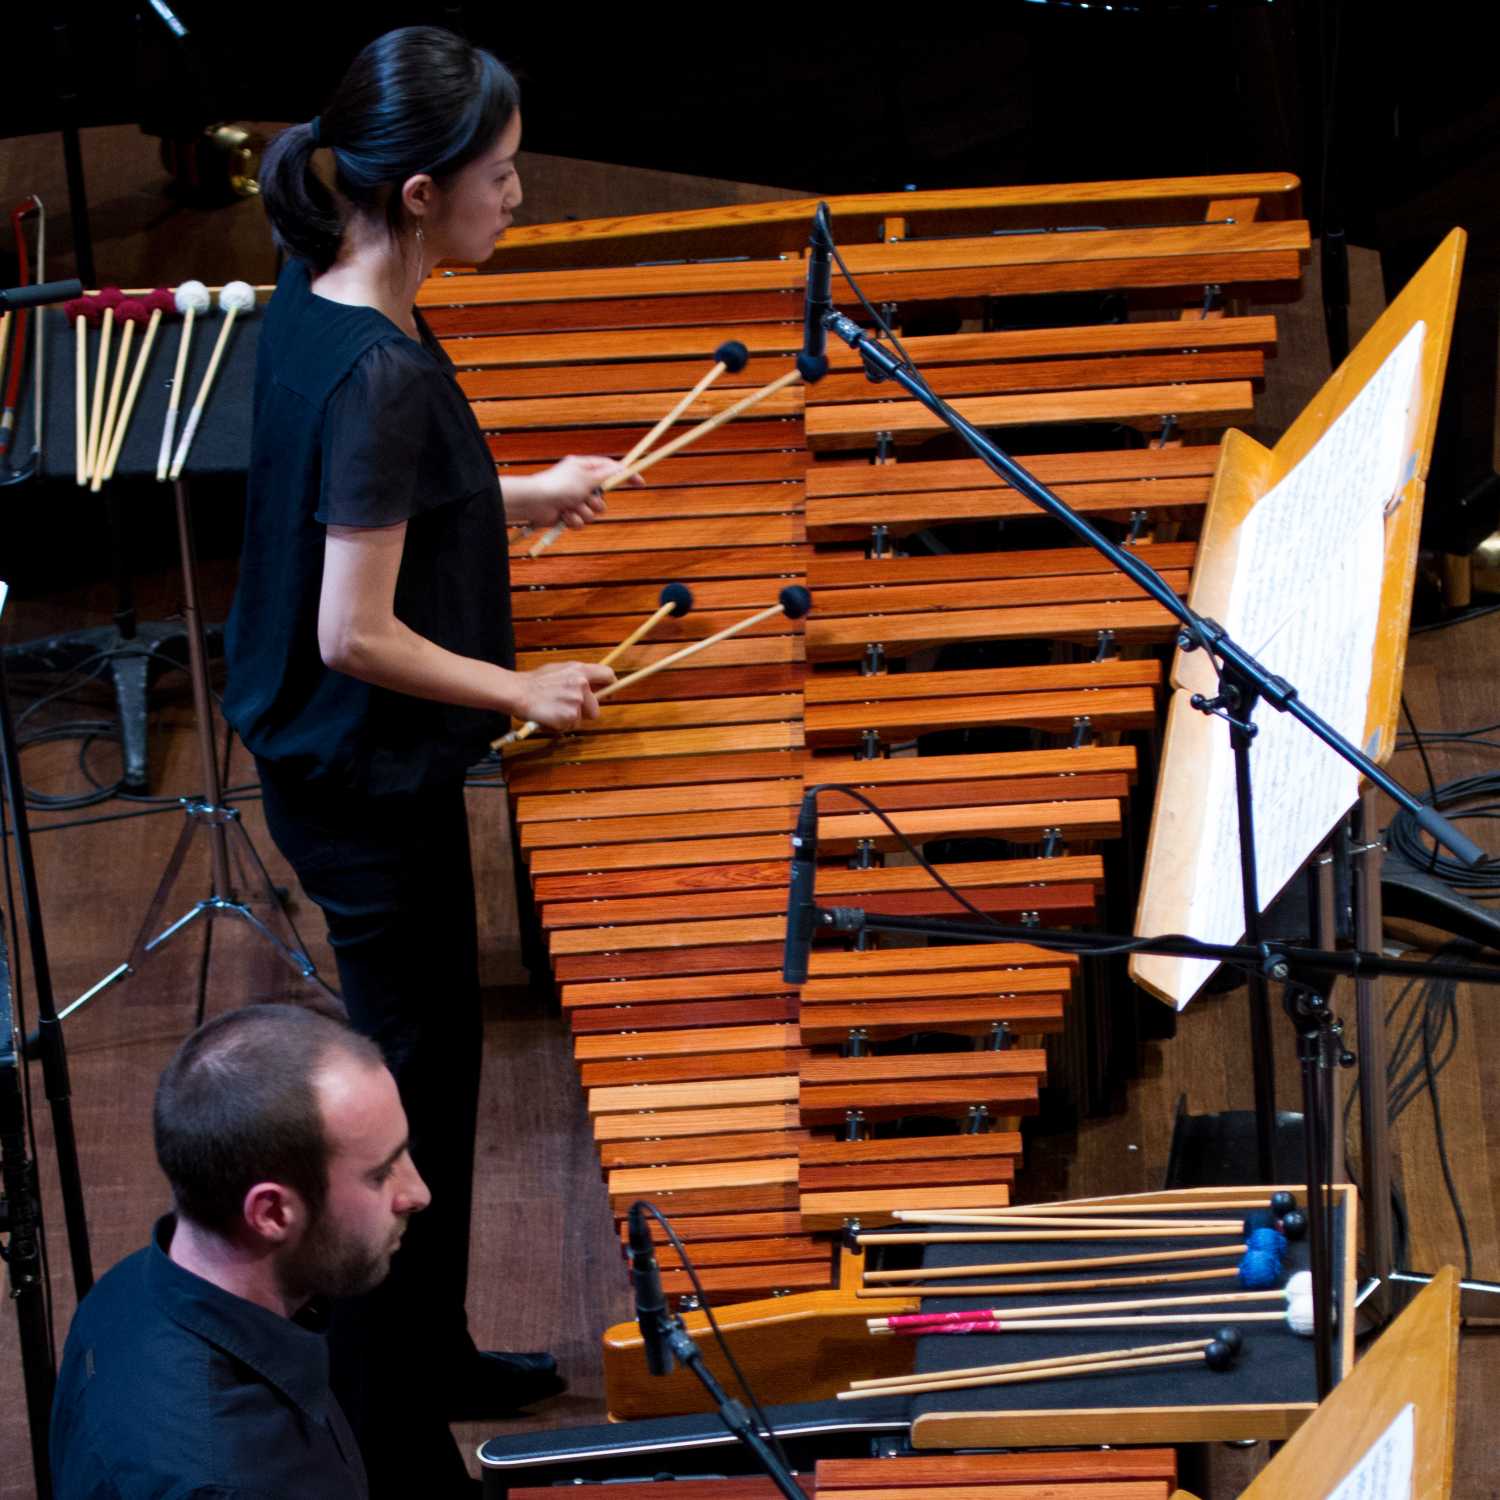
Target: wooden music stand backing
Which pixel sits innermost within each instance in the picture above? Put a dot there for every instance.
(1414, 1362)
(1175, 862)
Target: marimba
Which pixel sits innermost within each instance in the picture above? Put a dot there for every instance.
(990, 701)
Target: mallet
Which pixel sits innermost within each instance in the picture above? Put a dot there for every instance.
(235, 297)
(732, 356)
(191, 298)
(675, 599)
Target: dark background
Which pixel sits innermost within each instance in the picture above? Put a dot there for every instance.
(1388, 113)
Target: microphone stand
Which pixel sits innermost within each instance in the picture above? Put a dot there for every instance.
(1243, 683)
(732, 1413)
(1307, 975)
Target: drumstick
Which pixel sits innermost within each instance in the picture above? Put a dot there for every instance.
(190, 299)
(234, 297)
(1051, 1362)
(1215, 1354)
(701, 430)
(732, 356)
(109, 299)
(676, 599)
(160, 301)
(127, 314)
(937, 1322)
(794, 603)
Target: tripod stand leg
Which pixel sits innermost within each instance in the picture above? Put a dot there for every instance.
(279, 929)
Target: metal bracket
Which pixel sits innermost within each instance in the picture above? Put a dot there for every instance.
(1168, 426)
(870, 746)
(1106, 641)
(872, 663)
(855, 1124)
(1138, 519)
(1051, 842)
(1031, 919)
(857, 1043)
(978, 1120)
(883, 444)
(880, 542)
(1000, 1037)
(1083, 731)
(864, 855)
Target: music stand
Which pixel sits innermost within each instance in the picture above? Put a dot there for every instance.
(222, 447)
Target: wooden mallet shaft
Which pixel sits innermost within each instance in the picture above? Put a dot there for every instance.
(1052, 1362)
(117, 441)
(701, 430)
(1059, 1236)
(769, 613)
(556, 529)
(196, 414)
(174, 398)
(1046, 1288)
(101, 379)
(81, 395)
(112, 409)
(936, 1322)
(960, 1381)
(531, 726)
(1032, 1267)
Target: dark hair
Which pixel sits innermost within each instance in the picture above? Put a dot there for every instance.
(415, 100)
(237, 1105)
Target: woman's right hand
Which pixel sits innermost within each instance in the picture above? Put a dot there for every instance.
(560, 697)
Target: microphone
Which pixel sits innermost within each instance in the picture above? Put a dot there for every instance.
(650, 1303)
(40, 293)
(812, 362)
(801, 913)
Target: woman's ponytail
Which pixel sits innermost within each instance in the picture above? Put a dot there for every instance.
(415, 100)
(305, 219)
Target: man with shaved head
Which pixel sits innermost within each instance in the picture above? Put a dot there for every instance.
(195, 1366)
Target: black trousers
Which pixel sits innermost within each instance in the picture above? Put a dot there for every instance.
(395, 883)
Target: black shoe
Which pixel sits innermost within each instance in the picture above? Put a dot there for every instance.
(496, 1381)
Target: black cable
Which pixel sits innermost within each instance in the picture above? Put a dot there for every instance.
(880, 322)
(707, 1308)
(1056, 941)
(1467, 798)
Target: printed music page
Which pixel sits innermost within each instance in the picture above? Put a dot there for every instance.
(1305, 602)
(1384, 1473)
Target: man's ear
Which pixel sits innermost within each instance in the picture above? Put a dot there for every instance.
(417, 195)
(274, 1212)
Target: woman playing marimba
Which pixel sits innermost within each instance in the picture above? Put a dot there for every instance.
(370, 659)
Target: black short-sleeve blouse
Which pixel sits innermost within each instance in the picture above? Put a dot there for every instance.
(357, 424)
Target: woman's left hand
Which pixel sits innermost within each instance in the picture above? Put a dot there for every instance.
(568, 492)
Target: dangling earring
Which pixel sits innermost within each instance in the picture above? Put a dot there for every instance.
(420, 237)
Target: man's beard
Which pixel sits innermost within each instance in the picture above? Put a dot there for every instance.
(330, 1264)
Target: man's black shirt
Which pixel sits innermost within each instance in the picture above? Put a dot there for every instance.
(172, 1387)
(358, 425)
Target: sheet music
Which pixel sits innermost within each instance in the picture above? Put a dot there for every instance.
(1306, 602)
(1384, 1473)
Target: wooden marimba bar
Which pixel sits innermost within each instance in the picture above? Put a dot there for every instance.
(657, 839)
